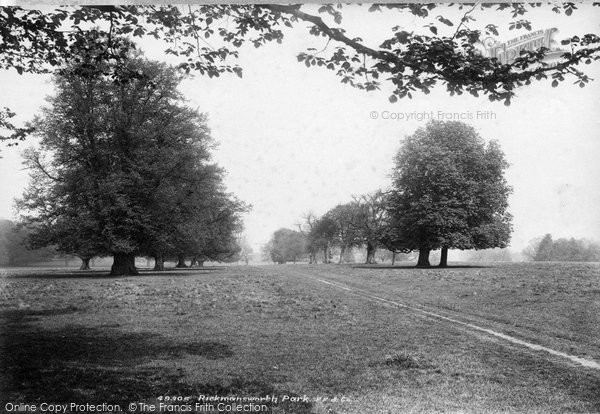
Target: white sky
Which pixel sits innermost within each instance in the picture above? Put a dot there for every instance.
(295, 139)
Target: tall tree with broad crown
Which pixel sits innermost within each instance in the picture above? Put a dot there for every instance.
(449, 193)
(124, 159)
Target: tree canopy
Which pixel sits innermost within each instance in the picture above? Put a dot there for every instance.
(286, 245)
(347, 234)
(124, 168)
(545, 249)
(206, 39)
(449, 191)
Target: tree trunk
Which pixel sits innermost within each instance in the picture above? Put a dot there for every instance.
(342, 253)
(85, 263)
(393, 258)
(370, 253)
(181, 261)
(444, 257)
(159, 263)
(424, 258)
(123, 265)
(194, 261)
(326, 254)
(200, 263)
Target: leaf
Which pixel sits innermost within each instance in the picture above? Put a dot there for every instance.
(433, 29)
(554, 83)
(445, 21)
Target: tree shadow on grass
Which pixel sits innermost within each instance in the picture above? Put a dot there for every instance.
(104, 274)
(91, 365)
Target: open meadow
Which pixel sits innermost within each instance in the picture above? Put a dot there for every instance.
(314, 337)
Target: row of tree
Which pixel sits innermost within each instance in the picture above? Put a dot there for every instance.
(545, 249)
(346, 226)
(124, 167)
(448, 192)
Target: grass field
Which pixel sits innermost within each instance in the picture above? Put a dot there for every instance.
(276, 330)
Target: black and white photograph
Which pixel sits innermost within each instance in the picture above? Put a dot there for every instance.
(299, 208)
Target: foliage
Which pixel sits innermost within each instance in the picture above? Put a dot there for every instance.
(371, 220)
(124, 167)
(206, 39)
(347, 235)
(449, 191)
(322, 237)
(286, 245)
(14, 249)
(546, 249)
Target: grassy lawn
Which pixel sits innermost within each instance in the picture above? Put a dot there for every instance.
(256, 331)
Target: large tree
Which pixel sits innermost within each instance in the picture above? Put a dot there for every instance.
(121, 160)
(305, 227)
(444, 47)
(286, 245)
(449, 192)
(347, 236)
(322, 237)
(371, 220)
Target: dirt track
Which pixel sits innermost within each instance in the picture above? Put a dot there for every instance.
(443, 317)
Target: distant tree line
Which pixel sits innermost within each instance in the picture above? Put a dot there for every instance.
(124, 168)
(13, 247)
(448, 192)
(545, 249)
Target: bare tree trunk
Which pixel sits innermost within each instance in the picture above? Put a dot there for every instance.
(181, 261)
(85, 263)
(424, 258)
(159, 263)
(123, 265)
(393, 258)
(444, 257)
(370, 253)
(342, 253)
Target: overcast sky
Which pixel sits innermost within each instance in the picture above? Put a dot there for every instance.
(295, 139)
